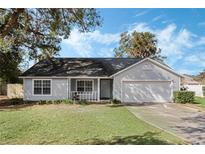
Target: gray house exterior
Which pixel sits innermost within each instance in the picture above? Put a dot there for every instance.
(130, 80)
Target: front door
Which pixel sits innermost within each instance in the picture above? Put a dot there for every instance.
(105, 89)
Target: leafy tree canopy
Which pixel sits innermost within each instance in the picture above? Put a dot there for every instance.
(138, 44)
(39, 32)
(9, 70)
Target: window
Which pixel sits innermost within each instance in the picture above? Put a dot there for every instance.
(37, 87)
(46, 87)
(42, 87)
(84, 85)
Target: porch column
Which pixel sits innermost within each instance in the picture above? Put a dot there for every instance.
(98, 90)
(69, 88)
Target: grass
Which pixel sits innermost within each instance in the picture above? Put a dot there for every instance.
(200, 101)
(77, 124)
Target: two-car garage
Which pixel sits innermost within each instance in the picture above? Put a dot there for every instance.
(146, 82)
(146, 91)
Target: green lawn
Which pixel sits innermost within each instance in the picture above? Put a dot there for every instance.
(200, 101)
(78, 124)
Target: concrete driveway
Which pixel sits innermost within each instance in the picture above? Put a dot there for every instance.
(186, 122)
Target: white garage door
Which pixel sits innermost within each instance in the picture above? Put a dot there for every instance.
(146, 91)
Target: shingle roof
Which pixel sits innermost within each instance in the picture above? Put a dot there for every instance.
(80, 66)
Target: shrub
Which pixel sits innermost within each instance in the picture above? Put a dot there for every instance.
(203, 89)
(184, 96)
(16, 101)
(116, 101)
(41, 102)
(50, 102)
(83, 102)
(57, 102)
(67, 101)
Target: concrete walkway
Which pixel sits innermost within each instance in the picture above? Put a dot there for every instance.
(186, 122)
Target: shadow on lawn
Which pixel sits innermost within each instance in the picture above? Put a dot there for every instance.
(14, 104)
(148, 138)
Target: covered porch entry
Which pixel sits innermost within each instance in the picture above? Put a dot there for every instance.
(90, 89)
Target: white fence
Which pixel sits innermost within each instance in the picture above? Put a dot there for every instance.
(14, 90)
(196, 88)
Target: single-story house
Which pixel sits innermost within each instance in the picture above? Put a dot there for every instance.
(188, 80)
(130, 80)
(190, 84)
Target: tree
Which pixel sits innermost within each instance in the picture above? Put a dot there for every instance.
(9, 70)
(138, 44)
(200, 77)
(39, 32)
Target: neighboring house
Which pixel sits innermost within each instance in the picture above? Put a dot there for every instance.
(131, 80)
(188, 80)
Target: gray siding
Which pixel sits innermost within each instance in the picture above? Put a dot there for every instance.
(144, 71)
(59, 90)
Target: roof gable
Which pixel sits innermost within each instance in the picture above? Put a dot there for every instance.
(156, 62)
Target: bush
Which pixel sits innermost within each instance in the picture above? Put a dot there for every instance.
(64, 101)
(184, 96)
(55, 102)
(116, 101)
(83, 102)
(42, 102)
(67, 101)
(16, 101)
(49, 102)
(203, 89)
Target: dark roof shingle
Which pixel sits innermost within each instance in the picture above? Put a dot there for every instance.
(80, 66)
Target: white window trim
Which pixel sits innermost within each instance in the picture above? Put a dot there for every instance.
(84, 80)
(42, 93)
